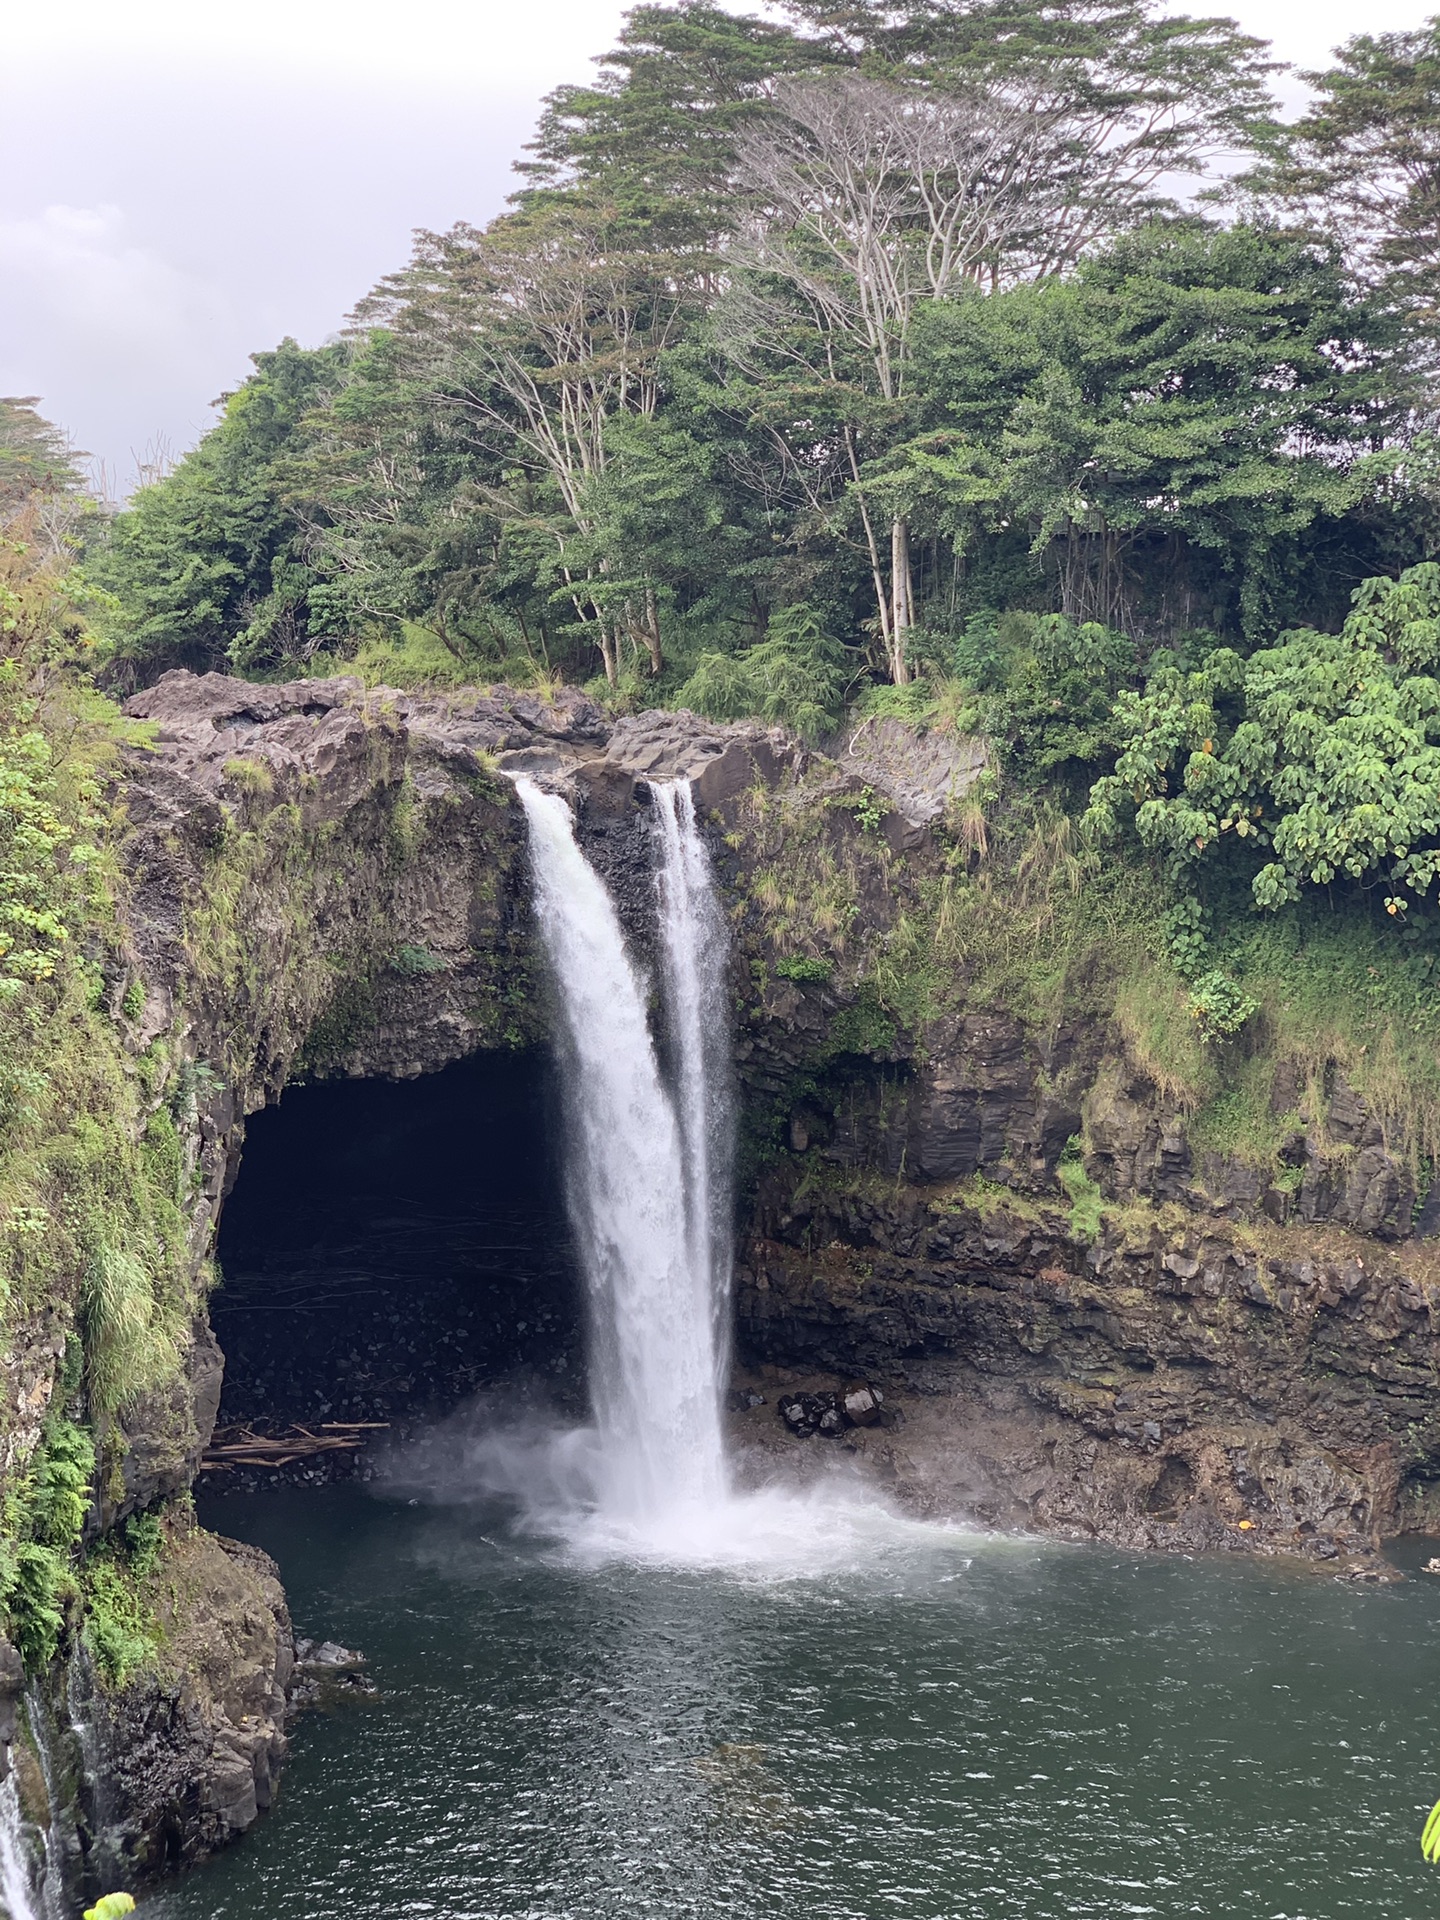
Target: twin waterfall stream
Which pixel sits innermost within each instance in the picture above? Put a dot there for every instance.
(16, 1899)
(648, 1171)
(649, 1177)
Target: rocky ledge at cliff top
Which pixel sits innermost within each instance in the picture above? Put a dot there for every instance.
(563, 741)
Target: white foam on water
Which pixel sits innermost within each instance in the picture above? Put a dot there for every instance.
(550, 1478)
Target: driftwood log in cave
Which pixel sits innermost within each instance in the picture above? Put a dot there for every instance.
(245, 1447)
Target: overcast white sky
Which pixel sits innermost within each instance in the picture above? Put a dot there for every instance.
(182, 184)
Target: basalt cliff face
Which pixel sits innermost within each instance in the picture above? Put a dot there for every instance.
(982, 1201)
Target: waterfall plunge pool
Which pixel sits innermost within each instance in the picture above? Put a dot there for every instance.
(745, 1704)
(948, 1727)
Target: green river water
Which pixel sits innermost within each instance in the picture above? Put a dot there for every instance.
(937, 1724)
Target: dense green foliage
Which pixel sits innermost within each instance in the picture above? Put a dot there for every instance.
(207, 566)
(1313, 760)
(91, 1191)
(876, 311)
(898, 360)
(36, 459)
(43, 1525)
(121, 1628)
(1181, 427)
(796, 675)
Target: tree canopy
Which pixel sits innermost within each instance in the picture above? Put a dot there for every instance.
(1363, 162)
(865, 344)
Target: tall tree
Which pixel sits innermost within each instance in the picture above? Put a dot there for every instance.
(1363, 162)
(1003, 142)
(660, 124)
(1146, 99)
(873, 199)
(36, 457)
(540, 330)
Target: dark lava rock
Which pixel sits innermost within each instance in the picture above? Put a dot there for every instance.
(800, 1412)
(856, 1405)
(861, 1404)
(326, 1656)
(742, 1399)
(12, 1681)
(325, 1671)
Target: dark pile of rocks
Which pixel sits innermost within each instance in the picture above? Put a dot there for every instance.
(855, 1405)
(325, 1671)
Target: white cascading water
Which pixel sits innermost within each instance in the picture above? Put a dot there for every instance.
(16, 1899)
(639, 1177)
(695, 944)
(649, 1177)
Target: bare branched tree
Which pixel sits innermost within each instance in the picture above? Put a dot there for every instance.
(541, 328)
(155, 462)
(871, 199)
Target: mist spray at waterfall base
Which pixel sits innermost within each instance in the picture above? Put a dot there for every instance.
(518, 1469)
(649, 1175)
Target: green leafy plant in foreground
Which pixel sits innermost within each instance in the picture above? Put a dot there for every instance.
(111, 1906)
(1430, 1837)
(1315, 760)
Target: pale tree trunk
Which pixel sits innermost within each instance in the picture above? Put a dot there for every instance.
(608, 641)
(652, 632)
(605, 634)
(902, 611)
(877, 574)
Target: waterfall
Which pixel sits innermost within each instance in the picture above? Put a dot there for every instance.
(641, 1175)
(52, 1902)
(649, 1174)
(16, 1898)
(695, 943)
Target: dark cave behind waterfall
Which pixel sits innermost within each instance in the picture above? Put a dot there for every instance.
(390, 1248)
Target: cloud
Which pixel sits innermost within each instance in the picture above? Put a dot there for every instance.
(486, 44)
(160, 230)
(109, 332)
(77, 272)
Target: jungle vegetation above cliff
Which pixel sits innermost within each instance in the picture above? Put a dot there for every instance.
(996, 364)
(907, 315)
